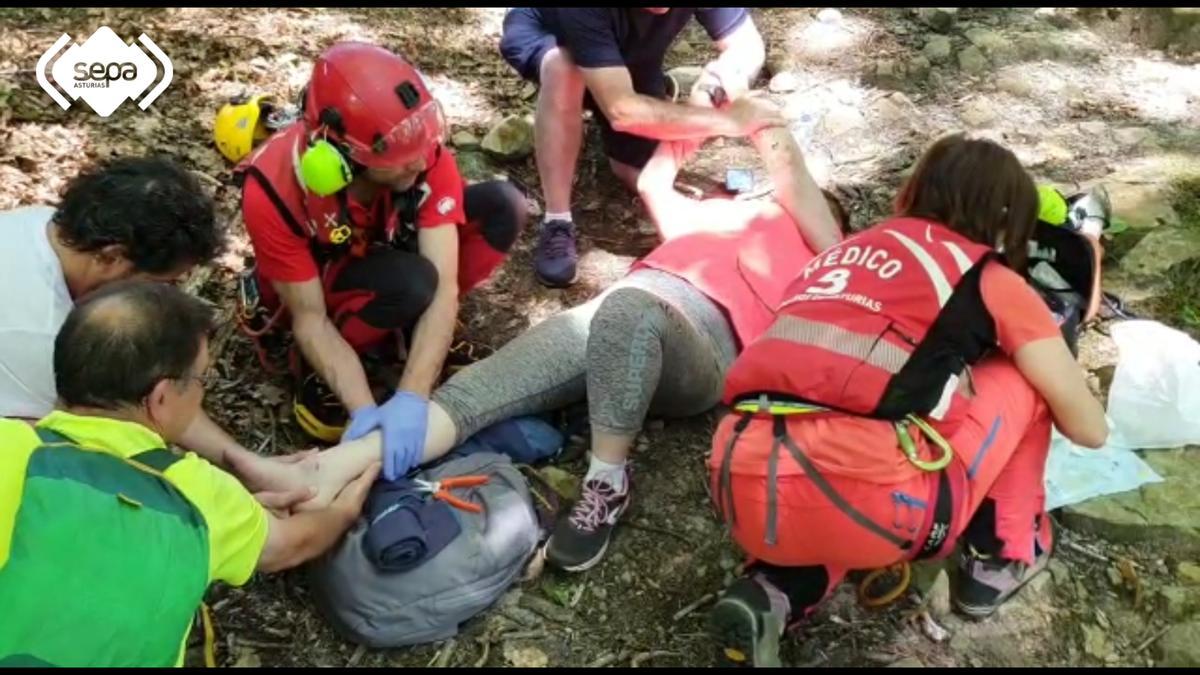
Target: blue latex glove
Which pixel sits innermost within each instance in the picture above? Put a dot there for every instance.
(402, 421)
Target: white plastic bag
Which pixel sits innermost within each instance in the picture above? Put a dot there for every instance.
(1154, 401)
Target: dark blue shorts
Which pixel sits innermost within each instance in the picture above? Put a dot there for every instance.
(525, 43)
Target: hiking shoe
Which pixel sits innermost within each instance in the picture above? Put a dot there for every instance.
(744, 628)
(985, 582)
(580, 538)
(318, 411)
(555, 261)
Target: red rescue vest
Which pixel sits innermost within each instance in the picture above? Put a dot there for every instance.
(327, 221)
(882, 325)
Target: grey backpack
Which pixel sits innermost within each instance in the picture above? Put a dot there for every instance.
(428, 603)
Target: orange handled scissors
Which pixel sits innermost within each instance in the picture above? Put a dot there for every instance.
(441, 490)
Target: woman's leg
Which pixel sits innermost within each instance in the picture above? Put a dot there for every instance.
(656, 343)
(1003, 443)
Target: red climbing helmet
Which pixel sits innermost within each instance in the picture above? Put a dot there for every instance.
(374, 103)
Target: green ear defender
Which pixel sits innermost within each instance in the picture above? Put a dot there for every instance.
(324, 169)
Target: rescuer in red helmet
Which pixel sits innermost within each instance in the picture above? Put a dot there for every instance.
(365, 235)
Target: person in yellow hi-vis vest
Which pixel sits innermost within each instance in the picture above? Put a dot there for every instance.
(109, 539)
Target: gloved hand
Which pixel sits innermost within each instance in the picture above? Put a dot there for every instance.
(402, 421)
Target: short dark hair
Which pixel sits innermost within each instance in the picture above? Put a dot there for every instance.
(152, 206)
(977, 188)
(120, 341)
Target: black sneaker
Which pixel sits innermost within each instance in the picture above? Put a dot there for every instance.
(744, 628)
(580, 538)
(556, 258)
(985, 582)
(318, 411)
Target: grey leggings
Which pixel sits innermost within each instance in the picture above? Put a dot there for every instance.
(651, 343)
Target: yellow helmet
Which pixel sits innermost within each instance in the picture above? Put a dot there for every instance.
(239, 125)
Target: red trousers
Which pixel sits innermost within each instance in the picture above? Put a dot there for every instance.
(999, 454)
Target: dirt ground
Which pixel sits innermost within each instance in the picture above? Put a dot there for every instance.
(1070, 92)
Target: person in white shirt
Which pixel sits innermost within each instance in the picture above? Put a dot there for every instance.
(136, 217)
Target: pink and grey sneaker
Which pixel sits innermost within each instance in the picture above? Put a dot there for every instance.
(985, 582)
(581, 537)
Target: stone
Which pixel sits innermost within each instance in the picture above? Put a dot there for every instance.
(464, 139)
(907, 662)
(547, 610)
(1142, 205)
(1179, 603)
(1049, 151)
(1114, 577)
(918, 68)
(1156, 253)
(940, 19)
(895, 109)
(939, 596)
(511, 138)
(1160, 513)
(247, 658)
(1054, 16)
(562, 482)
(1188, 572)
(1059, 572)
(1132, 137)
(525, 657)
(978, 112)
(1095, 642)
(1141, 189)
(1036, 46)
(474, 165)
(842, 119)
(1016, 84)
(1180, 647)
(972, 61)
(996, 47)
(783, 83)
(937, 49)
(888, 73)
(1094, 128)
(829, 15)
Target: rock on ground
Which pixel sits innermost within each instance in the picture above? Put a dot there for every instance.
(512, 138)
(937, 49)
(1163, 513)
(464, 139)
(1180, 647)
(940, 19)
(972, 61)
(1178, 602)
(1159, 251)
(995, 46)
